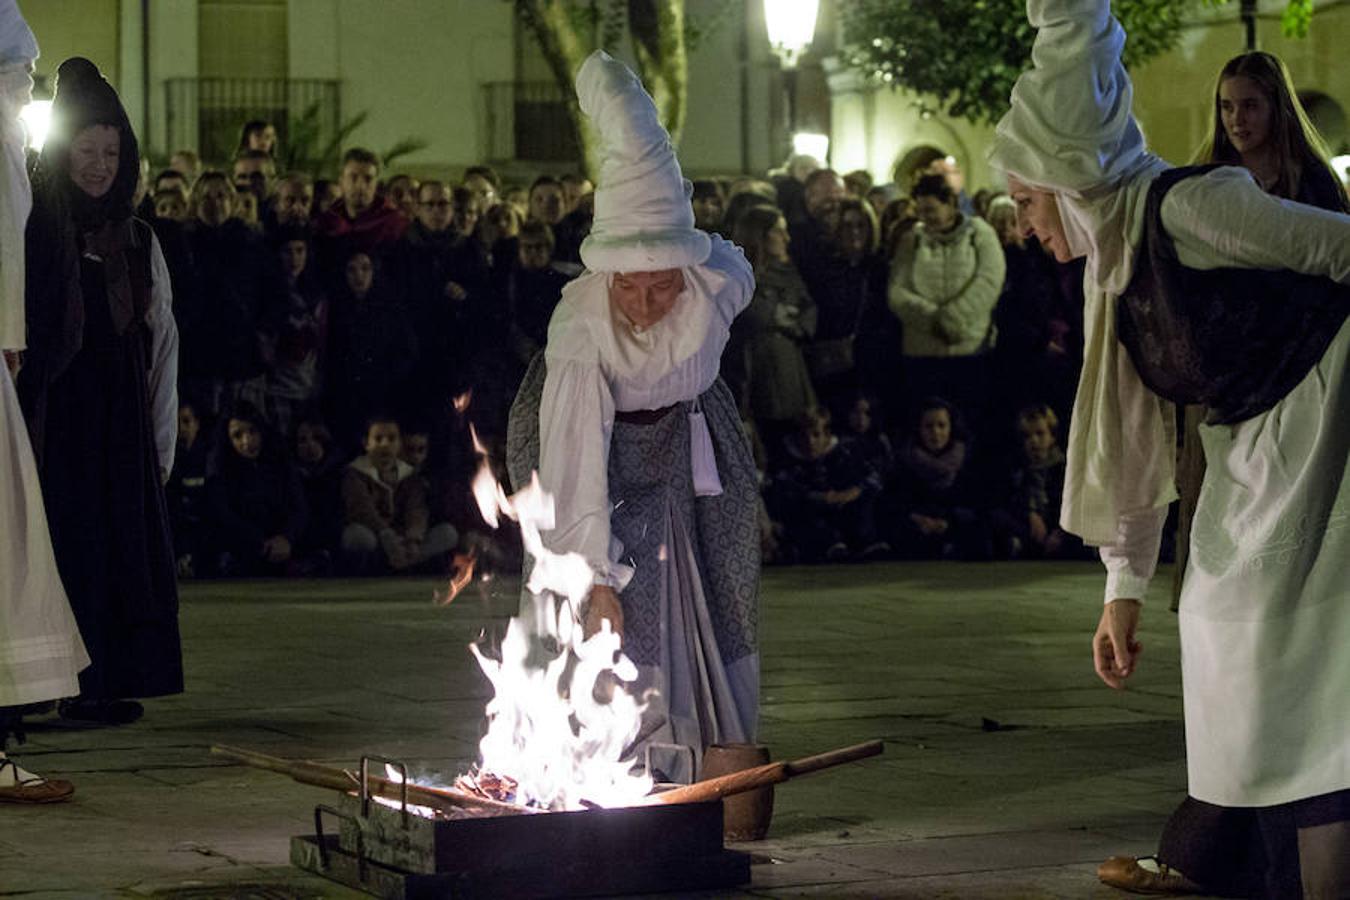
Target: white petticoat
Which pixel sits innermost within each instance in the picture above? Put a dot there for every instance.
(41, 653)
(1265, 610)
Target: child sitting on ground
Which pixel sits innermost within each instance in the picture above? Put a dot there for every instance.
(1028, 526)
(257, 503)
(185, 493)
(385, 507)
(936, 518)
(824, 494)
(320, 467)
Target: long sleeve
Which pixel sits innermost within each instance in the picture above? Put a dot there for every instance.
(1223, 218)
(164, 361)
(908, 305)
(236, 530)
(729, 261)
(1132, 558)
(965, 318)
(576, 420)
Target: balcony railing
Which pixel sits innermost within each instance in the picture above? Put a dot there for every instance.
(208, 113)
(528, 120)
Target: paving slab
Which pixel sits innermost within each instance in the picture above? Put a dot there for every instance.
(1009, 771)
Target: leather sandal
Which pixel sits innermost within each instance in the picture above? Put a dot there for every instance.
(35, 789)
(1127, 874)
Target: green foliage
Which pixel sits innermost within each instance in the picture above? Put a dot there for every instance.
(306, 150)
(966, 54)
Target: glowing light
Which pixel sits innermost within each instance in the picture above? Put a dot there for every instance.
(791, 25)
(807, 143)
(37, 119)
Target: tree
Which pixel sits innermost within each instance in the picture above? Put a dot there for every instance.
(567, 31)
(966, 54)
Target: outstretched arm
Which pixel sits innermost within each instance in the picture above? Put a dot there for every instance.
(1223, 218)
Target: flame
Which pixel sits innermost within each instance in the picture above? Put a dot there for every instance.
(462, 401)
(546, 730)
(460, 577)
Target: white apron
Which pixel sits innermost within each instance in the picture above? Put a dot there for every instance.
(1265, 609)
(41, 652)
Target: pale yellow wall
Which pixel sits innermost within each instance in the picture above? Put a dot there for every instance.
(1173, 93)
(416, 66)
(66, 28)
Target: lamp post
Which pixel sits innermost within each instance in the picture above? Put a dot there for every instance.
(791, 25)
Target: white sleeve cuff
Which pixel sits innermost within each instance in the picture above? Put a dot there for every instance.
(1132, 557)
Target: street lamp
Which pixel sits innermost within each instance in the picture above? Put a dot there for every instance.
(791, 25)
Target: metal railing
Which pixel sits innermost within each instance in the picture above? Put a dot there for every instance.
(528, 120)
(208, 113)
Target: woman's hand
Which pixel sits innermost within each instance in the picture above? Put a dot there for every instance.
(602, 604)
(1115, 652)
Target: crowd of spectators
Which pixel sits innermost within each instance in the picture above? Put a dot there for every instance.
(905, 370)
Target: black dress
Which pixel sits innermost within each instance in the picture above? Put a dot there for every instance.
(105, 504)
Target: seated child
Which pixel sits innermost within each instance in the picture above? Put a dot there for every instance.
(936, 519)
(256, 500)
(824, 494)
(864, 434)
(185, 493)
(385, 504)
(320, 467)
(1028, 524)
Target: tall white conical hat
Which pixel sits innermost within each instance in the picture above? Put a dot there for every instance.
(643, 220)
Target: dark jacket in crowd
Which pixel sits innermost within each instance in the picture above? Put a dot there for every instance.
(253, 500)
(236, 288)
(372, 358)
(531, 296)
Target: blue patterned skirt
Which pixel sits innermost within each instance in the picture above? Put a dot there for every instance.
(691, 609)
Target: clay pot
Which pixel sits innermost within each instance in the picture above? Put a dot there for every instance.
(745, 817)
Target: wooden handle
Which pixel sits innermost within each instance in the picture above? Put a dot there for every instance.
(761, 776)
(305, 772)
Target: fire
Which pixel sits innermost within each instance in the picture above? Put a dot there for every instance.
(548, 734)
(461, 577)
(461, 402)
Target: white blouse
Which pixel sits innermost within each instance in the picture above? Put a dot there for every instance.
(599, 363)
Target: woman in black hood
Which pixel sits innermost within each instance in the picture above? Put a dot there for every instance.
(99, 397)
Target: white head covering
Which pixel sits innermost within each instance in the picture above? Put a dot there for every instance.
(18, 49)
(1070, 131)
(643, 220)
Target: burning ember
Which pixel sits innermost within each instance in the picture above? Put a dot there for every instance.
(551, 744)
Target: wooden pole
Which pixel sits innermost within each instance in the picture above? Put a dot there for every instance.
(769, 773)
(305, 772)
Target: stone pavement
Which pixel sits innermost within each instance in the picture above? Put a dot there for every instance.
(1009, 770)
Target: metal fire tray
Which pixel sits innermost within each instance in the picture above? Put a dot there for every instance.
(393, 852)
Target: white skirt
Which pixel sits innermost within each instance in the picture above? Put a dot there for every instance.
(41, 653)
(1265, 608)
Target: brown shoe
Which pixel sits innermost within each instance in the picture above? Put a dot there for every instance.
(35, 789)
(1126, 873)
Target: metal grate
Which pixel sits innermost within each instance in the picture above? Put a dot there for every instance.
(208, 113)
(528, 120)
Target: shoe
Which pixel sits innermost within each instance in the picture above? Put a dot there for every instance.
(875, 550)
(34, 788)
(837, 552)
(1145, 875)
(102, 712)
